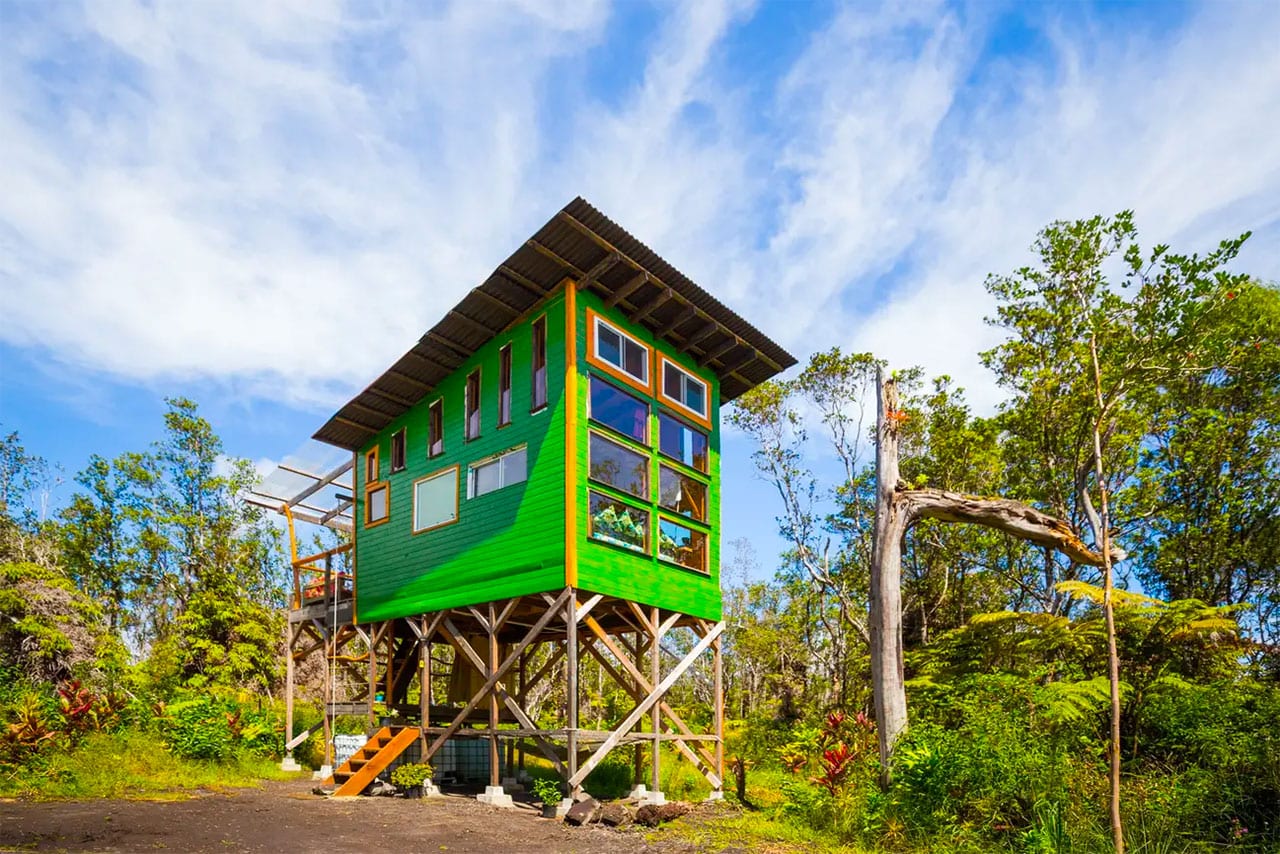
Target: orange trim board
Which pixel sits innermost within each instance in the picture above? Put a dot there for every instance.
(608, 367)
(571, 435)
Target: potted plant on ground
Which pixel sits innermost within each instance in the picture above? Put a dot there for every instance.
(547, 791)
(409, 778)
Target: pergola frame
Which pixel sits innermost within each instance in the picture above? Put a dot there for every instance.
(624, 637)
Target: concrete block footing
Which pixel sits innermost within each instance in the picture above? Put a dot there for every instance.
(638, 792)
(655, 799)
(290, 764)
(716, 795)
(495, 797)
(562, 808)
(325, 772)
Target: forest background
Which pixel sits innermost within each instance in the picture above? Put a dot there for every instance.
(150, 603)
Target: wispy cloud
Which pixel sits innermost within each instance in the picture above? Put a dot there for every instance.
(284, 195)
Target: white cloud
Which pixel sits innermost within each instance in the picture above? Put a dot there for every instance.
(285, 195)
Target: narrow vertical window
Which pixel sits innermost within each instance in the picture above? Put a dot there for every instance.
(473, 405)
(397, 451)
(539, 364)
(371, 469)
(504, 386)
(435, 429)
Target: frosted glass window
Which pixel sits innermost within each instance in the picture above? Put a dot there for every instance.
(435, 500)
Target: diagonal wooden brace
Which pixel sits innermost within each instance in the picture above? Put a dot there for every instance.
(644, 706)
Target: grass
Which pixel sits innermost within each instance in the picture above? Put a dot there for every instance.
(133, 765)
(729, 826)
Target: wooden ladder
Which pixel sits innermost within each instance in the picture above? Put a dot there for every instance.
(355, 775)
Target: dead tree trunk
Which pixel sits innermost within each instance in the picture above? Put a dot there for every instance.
(898, 508)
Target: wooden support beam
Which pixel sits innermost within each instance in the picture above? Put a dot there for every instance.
(452, 346)
(571, 691)
(653, 305)
(740, 363)
(522, 280)
(693, 339)
(482, 328)
(550, 253)
(497, 303)
(410, 380)
(342, 419)
(717, 703)
(718, 350)
(599, 269)
(391, 397)
(688, 313)
(436, 363)
(627, 289)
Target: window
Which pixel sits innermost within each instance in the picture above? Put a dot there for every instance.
(372, 470)
(618, 523)
(682, 443)
(683, 494)
(683, 389)
(617, 352)
(619, 467)
(504, 386)
(682, 545)
(506, 469)
(435, 500)
(539, 391)
(473, 405)
(435, 428)
(377, 504)
(619, 411)
(397, 450)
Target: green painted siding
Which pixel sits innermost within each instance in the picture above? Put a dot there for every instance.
(506, 543)
(616, 571)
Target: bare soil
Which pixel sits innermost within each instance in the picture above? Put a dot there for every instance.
(286, 817)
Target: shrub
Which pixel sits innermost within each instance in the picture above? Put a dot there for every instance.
(410, 775)
(546, 790)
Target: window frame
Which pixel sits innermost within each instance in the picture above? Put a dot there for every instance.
(646, 455)
(434, 407)
(702, 418)
(457, 504)
(691, 474)
(468, 398)
(657, 545)
(369, 489)
(372, 471)
(538, 329)
(496, 459)
(662, 455)
(647, 442)
(649, 541)
(402, 436)
(594, 321)
(505, 406)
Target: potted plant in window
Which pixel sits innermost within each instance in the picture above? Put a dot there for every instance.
(409, 778)
(547, 791)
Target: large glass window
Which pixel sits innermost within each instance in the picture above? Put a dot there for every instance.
(504, 386)
(681, 442)
(435, 500)
(683, 388)
(506, 469)
(619, 467)
(684, 494)
(539, 391)
(435, 430)
(618, 523)
(682, 545)
(616, 349)
(619, 411)
(473, 405)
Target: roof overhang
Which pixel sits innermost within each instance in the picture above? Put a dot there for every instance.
(583, 245)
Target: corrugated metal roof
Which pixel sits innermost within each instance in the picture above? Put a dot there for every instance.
(581, 243)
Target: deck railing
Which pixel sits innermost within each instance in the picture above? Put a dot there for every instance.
(315, 580)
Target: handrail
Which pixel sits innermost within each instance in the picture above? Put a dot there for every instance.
(318, 556)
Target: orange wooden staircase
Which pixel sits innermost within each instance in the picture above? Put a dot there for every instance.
(383, 748)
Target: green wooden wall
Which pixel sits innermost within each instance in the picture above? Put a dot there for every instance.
(506, 543)
(617, 571)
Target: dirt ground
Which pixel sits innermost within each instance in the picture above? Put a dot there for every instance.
(286, 817)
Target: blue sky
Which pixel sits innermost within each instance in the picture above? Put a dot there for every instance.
(197, 197)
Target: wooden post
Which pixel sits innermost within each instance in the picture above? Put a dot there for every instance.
(521, 697)
(718, 704)
(373, 673)
(424, 683)
(637, 776)
(495, 772)
(288, 683)
(571, 699)
(655, 676)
